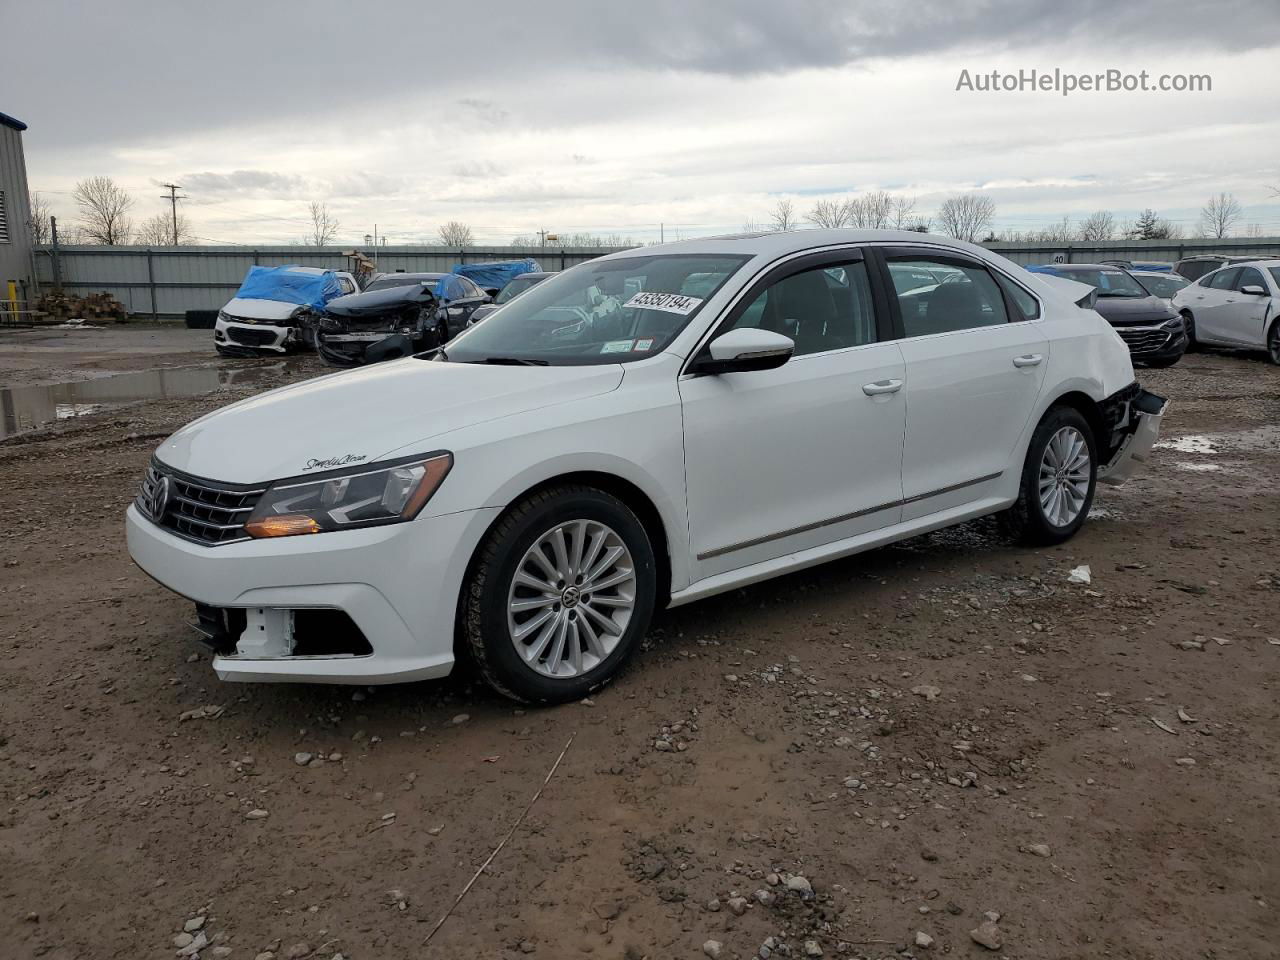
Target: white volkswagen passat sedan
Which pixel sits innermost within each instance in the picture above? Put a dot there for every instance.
(1235, 306)
(640, 431)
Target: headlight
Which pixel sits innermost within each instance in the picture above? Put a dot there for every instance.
(1173, 323)
(222, 315)
(346, 499)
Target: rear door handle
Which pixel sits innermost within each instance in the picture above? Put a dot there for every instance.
(1030, 360)
(881, 386)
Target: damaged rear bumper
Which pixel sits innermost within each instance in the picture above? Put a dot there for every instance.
(1133, 416)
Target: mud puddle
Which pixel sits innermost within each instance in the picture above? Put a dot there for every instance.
(24, 408)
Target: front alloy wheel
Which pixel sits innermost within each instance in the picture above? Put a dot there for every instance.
(571, 598)
(1273, 343)
(559, 595)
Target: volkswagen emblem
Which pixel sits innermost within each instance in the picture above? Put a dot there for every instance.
(158, 499)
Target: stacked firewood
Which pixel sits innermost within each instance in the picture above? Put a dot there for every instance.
(60, 306)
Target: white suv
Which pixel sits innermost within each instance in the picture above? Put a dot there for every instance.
(640, 431)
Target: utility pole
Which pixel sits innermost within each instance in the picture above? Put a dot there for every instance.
(173, 199)
(542, 239)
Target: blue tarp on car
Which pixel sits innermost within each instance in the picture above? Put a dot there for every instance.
(494, 276)
(290, 285)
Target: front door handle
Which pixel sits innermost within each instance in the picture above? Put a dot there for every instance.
(1030, 360)
(881, 387)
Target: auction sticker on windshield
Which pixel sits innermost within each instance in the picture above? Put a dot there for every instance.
(667, 302)
(617, 346)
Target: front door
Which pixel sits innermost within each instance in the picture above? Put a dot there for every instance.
(784, 460)
(1213, 304)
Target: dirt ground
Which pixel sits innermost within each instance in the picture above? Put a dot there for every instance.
(861, 760)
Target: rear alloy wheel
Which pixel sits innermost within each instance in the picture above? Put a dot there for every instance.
(1189, 327)
(559, 595)
(1058, 480)
(1273, 342)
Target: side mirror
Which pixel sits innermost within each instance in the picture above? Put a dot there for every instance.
(743, 350)
(1253, 290)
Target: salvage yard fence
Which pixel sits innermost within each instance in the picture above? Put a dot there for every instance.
(168, 281)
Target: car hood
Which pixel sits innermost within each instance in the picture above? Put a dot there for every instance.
(1131, 311)
(377, 301)
(362, 415)
(251, 308)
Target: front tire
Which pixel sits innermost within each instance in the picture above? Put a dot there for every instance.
(1058, 480)
(1273, 342)
(559, 595)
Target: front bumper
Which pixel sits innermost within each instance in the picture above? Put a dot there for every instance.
(1134, 416)
(252, 338)
(1154, 342)
(398, 583)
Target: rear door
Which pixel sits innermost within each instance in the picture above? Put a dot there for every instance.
(784, 460)
(975, 356)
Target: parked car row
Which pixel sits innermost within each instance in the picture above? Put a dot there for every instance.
(284, 309)
(1163, 315)
(533, 492)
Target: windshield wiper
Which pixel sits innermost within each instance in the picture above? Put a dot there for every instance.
(512, 361)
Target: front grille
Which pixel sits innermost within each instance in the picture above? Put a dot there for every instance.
(251, 338)
(1144, 340)
(203, 511)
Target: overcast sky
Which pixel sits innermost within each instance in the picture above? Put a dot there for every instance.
(614, 118)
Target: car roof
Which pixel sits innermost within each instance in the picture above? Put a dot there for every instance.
(1086, 266)
(1257, 262)
(1157, 273)
(412, 275)
(794, 241)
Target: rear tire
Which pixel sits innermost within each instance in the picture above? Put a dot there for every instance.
(1189, 325)
(559, 595)
(1059, 477)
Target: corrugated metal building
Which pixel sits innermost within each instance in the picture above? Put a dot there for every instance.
(15, 232)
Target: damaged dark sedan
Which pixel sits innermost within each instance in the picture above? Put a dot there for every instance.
(398, 314)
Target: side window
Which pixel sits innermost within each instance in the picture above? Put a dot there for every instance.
(1224, 279)
(346, 285)
(1249, 276)
(966, 297)
(1028, 306)
(826, 308)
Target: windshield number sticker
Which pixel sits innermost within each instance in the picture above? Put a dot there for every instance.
(645, 344)
(666, 302)
(617, 346)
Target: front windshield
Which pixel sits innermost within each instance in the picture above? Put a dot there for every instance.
(516, 286)
(1275, 274)
(1164, 286)
(1109, 283)
(602, 311)
(398, 280)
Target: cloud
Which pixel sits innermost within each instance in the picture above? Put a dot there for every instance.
(246, 181)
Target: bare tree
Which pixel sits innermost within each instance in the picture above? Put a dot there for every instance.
(1099, 225)
(829, 214)
(966, 215)
(753, 226)
(784, 215)
(455, 233)
(38, 219)
(1253, 230)
(902, 213)
(324, 226)
(871, 211)
(104, 210)
(1219, 215)
(157, 231)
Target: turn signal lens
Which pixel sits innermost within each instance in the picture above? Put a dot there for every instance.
(284, 525)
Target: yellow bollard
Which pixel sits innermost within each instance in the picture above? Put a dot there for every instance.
(13, 301)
